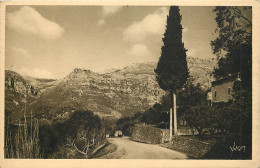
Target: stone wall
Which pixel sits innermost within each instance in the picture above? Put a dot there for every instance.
(192, 147)
(149, 134)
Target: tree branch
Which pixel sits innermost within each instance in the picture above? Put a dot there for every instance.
(240, 13)
(75, 147)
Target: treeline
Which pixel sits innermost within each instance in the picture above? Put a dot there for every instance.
(194, 108)
(77, 137)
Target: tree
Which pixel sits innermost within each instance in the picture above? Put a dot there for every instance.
(189, 97)
(152, 115)
(197, 118)
(237, 60)
(192, 107)
(243, 107)
(126, 124)
(234, 27)
(82, 132)
(172, 70)
(48, 140)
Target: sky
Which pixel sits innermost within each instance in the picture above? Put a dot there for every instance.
(50, 41)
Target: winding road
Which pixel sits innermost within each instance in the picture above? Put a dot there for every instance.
(127, 149)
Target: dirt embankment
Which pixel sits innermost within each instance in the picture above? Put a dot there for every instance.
(109, 151)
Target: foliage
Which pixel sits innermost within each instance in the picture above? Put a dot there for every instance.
(127, 124)
(109, 124)
(197, 117)
(172, 70)
(7, 114)
(190, 96)
(225, 117)
(234, 27)
(158, 114)
(22, 140)
(243, 107)
(237, 60)
(49, 140)
(235, 39)
(193, 106)
(221, 118)
(152, 115)
(82, 132)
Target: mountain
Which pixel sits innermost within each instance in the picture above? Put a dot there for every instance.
(201, 71)
(107, 95)
(17, 91)
(116, 93)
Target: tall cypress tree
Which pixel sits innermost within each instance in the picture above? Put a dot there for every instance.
(172, 70)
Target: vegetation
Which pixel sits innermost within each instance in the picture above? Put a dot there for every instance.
(76, 137)
(235, 39)
(233, 46)
(193, 107)
(22, 140)
(126, 124)
(81, 134)
(172, 70)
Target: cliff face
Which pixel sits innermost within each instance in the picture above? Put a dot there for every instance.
(113, 94)
(201, 71)
(17, 91)
(117, 93)
(16, 83)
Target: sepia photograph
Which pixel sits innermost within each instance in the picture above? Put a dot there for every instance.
(128, 82)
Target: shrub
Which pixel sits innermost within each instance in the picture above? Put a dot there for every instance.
(81, 132)
(48, 140)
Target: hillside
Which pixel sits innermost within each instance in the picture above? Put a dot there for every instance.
(17, 91)
(108, 95)
(116, 93)
(201, 71)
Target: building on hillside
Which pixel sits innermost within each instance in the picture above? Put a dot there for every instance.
(221, 90)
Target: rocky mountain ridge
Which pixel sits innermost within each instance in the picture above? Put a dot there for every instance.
(117, 93)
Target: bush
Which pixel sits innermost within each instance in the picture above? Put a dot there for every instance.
(198, 117)
(49, 140)
(127, 124)
(81, 132)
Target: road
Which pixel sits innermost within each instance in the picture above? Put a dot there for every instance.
(127, 149)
